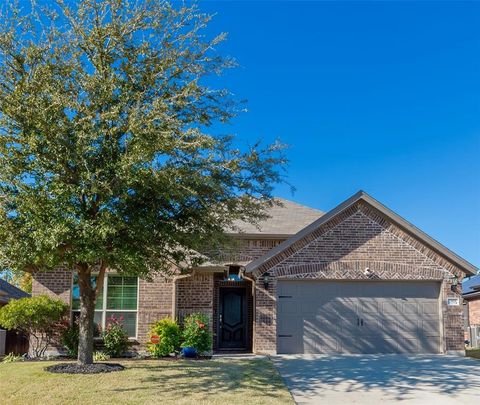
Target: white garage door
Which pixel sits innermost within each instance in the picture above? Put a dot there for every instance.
(358, 317)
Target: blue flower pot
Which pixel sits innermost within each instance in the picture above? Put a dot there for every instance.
(189, 352)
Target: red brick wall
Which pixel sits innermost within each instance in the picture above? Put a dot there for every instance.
(474, 311)
(195, 294)
(56, 284)
(244, 250)
(154, 303)
(341, 249)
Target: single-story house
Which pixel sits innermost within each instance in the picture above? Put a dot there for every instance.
(357, 279)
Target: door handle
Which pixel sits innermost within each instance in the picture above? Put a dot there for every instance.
(358, 321)
(361, 322)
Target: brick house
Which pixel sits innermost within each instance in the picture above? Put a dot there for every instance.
(357, 279)
(471, 296)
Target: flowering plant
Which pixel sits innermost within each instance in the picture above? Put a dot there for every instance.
(196, 333)
(164, 338)
(115, 339)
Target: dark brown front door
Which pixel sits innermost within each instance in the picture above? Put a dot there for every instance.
(233, 319)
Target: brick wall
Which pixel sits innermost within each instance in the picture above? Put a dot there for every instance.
(244, 250)
(154, 303)
(195, 294)
(55, 284)
(265, 326)
(474, 311)
(341, 249)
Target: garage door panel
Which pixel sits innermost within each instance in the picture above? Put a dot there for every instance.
(429, 308)
(369, 306)
(290, 345)
(376, 345)
(326, 317)
(429, 327)
(289, 307)
(406, 345)
(389, 327)
(390, 307)
(370, 326)
(289, 325)
(410, 308)
(430, 345)
(330, 345)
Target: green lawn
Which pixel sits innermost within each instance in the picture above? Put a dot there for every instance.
(219, 382)
(473, 353)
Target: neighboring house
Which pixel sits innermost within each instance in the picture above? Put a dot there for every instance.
(11, 341)
(10, 292)
(358, 279)
(471, 296)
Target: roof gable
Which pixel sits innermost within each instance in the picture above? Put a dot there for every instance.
(306, 235)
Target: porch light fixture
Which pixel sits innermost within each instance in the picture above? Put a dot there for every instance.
(266, 280)
(454, 280)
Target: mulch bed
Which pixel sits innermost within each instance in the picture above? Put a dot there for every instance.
(74, 368)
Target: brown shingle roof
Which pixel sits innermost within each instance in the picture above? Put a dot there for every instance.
(285, 219)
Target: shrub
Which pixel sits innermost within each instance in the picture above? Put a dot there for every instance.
(168, 334)
(100, 356)
(69, 339)
(38, 317)
(12, 358)
(115, 339)
(196, 333)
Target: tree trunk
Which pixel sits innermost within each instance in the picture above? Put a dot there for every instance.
(87, 312)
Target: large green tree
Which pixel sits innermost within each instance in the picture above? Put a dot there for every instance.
(107, 156)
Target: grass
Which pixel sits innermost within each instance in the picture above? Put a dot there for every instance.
(475, 353)
(218, 381)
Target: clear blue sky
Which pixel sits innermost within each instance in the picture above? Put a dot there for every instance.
(379, 96)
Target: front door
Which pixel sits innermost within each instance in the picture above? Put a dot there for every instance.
(232, 319)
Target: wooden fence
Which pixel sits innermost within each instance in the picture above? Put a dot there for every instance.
(16, 343)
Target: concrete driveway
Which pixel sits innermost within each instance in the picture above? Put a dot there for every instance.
(374, 379)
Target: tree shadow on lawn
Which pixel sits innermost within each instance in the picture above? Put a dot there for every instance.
(209, 377)
(399, 375)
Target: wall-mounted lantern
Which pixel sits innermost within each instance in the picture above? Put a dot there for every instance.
(266, 280)
(454, 280)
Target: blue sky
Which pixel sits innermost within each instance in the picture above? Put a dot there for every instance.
(379, 96)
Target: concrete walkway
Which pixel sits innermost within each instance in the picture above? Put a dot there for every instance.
(375, 379)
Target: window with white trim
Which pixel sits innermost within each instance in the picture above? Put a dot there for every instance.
(118, 299)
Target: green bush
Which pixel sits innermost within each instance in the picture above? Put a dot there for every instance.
(69, 339)
(12, 358)
(196, 333)
(115, 339)
(100, 356)
(39, 317)
(168, 334)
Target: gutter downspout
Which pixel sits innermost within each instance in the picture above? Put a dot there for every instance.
(242, 273)
(174, 292)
